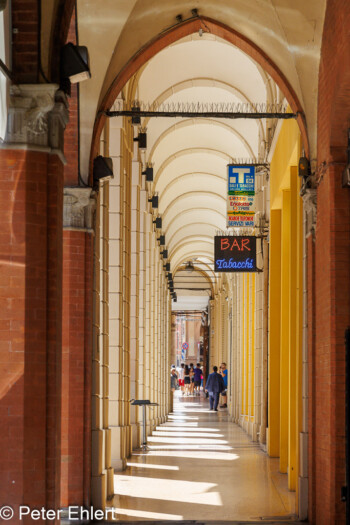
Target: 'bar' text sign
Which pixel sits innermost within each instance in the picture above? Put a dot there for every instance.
(235, 253)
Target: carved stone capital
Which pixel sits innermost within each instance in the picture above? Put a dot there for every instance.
(78, 208)
(310, 211)
(37, 117)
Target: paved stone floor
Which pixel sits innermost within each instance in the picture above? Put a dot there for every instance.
(201, 467)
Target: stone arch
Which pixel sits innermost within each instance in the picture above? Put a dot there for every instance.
(172, 35)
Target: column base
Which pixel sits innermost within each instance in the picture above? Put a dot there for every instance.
(99, 491)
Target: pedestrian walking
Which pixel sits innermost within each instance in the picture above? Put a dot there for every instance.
(173, 380)
(215, 385)
(197, 374)
(187, 380)
(224, 373)
(181, 377)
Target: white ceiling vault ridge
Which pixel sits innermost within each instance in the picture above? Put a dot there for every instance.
(190, 155)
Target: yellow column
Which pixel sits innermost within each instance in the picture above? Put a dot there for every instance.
(284, 321)
(252, 378)
(273, 435)
(243, 342)
(293, 393)
(247, 343)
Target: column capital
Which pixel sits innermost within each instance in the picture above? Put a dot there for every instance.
(310, 211)
(37, 117)
(78, 207)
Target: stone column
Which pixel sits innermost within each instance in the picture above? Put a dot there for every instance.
(134, 299)
(116, 380)
(31, 170)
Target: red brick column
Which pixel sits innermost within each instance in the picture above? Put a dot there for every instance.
(30, 331)
(332, 263)
(332, 308)
(76, 364)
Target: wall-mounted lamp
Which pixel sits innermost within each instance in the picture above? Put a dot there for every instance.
(304, 167)
(158, 223)
(161, 240)
(74, 65)
(154, 201)
(149, 173)
(136, 119)
(174, 296)
(141, 139)
(164, 253)
(189, 267)
(170, 275)
(102, 170)
(167, 267)
(346, 172)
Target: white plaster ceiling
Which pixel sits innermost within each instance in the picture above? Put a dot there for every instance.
(190, 156)
(288, 32)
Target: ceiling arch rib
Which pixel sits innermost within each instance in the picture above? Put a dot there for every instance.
(201, 215)
(190, 151)
(188, 254)
(189, 240)
(197, 161)
(192, 179)
(194, 59)
(189, 198)
(195, 125)
(193, 228)
(206, 90)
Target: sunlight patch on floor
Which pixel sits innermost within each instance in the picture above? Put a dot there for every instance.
(167, 489)
(152, 466)
(185, 440)
(146, 514)
(223, 456)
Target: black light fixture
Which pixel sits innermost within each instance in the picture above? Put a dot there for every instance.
(154, 201)
(189, 267)
(304, 167)
(102, 170)
(136, 119)
(158, 223)
(167, 267)
(141, 139)
(179, 18)
(170, 275)
(164, 253)
(174, 296)
(161, 240)
(346, 172)
(194, 12)
(74, 65)
(149, 173)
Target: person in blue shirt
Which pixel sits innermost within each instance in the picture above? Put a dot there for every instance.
(215, 385)
(223, 372)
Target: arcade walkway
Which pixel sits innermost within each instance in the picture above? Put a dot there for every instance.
(199, 466)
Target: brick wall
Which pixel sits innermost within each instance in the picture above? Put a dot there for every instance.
(76, 368)
(30, 240)
(25, 40)
(332, 272)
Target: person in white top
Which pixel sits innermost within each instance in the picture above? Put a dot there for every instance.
(181, 376)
